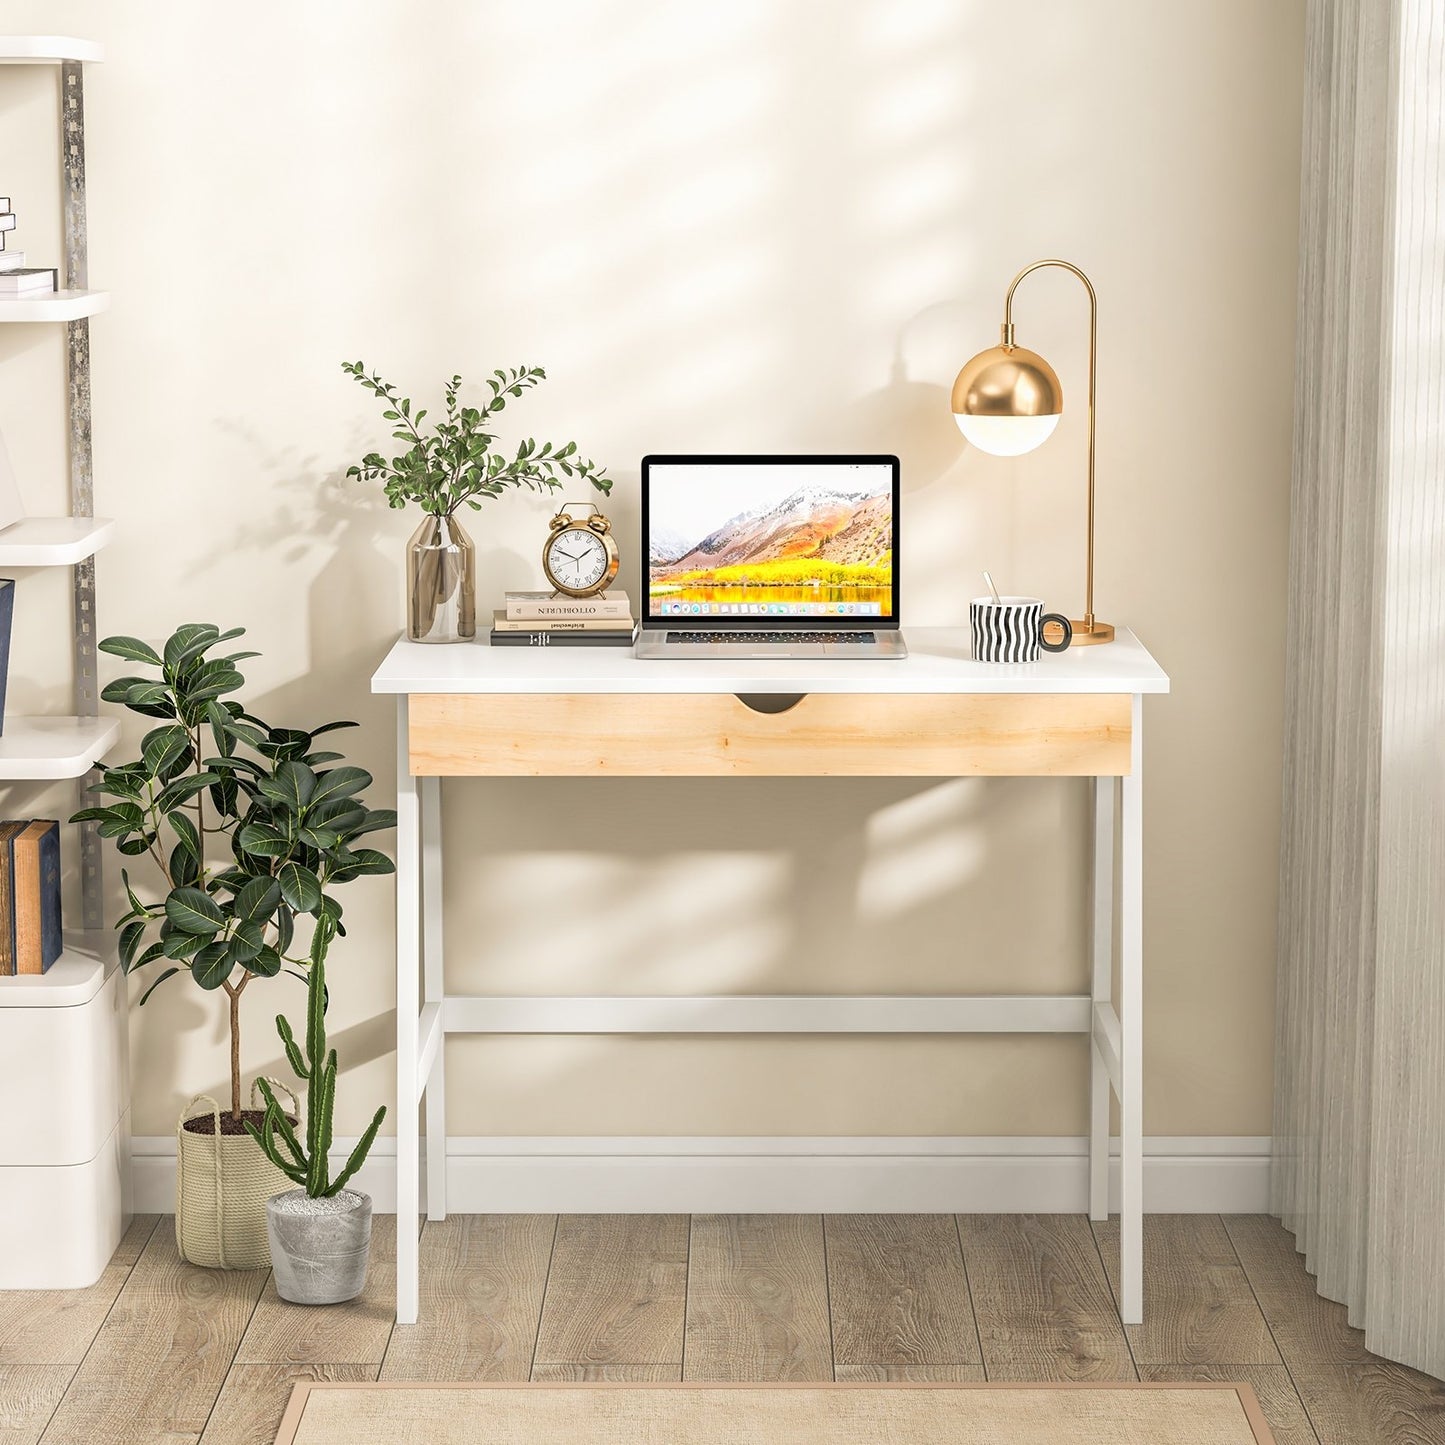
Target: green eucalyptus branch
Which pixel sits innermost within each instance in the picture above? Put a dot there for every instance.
(454, 463)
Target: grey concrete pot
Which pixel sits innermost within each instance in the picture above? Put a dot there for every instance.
(319, 1247)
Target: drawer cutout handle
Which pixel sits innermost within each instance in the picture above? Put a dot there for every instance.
(770, 702)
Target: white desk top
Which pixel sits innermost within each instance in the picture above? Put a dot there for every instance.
(940, 661)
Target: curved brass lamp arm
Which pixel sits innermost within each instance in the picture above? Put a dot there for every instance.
(1008, 340)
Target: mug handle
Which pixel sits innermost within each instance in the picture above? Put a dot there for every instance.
(1063, 622)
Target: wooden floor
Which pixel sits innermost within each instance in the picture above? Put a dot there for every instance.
(160, 1352)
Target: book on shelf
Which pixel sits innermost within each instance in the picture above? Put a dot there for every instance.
(5, 203)
(8, 832)
(10, 260)
(35, 870)
(502, 623)
(31, 935)
(7, 219)
(550, 606)
(7, 618)
(29, 280)
(623, 636)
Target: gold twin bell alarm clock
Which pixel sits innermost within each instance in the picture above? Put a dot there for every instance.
(580, 557)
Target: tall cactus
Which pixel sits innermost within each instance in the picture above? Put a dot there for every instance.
(310, 1167)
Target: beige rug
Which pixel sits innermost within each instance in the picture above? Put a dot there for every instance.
(904, 1414)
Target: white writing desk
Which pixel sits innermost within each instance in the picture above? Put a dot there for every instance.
(469, 710)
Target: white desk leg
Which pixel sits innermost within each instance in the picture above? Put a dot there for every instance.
(1131, 1030)
(408, 888)
(433, 988)
(1102, 990)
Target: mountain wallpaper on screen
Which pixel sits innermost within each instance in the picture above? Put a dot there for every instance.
(848, 533)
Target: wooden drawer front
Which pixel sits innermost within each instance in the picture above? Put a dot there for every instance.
(716, 735)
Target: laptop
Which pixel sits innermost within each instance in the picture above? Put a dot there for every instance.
(771, 556)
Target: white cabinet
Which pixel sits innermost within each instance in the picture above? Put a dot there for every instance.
(64, 1133)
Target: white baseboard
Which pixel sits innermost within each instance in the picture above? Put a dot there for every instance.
(1013, 1175)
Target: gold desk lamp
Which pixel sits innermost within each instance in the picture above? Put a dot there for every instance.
(1007, 401)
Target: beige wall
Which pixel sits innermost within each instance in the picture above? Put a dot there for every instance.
(747, 227)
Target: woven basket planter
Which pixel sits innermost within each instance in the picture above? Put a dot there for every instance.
(222, 1184)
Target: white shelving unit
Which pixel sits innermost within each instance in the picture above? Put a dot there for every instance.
(53, 541)
(39, 749)
(72, 305)
(47, 49)
(65, 1165)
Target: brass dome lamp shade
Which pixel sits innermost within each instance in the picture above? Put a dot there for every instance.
(1007, 401)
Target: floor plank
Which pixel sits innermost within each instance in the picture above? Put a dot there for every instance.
(1379, 1404)
(1309, 1330)
(56, 1327)
(1042, 1299)
(355, 1333)
(482, 1281)
(615, 1374)
(616, 1291)
(757, 1299)
(28, 1397)
(159, 1360)
(882, 1374)
(1198, 1306)
(1283, 1409)
(898, 1290)
(253, 1399)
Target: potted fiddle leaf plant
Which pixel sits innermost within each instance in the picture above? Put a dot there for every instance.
(248, 830)
(320, 1231)
(451, 464)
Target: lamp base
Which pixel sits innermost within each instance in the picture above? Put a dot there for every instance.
(1086, 634)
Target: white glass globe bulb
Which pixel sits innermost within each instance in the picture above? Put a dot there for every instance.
(1006, 436)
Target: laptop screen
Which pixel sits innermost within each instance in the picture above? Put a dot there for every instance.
(770, 541)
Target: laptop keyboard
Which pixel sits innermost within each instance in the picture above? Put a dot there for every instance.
(790, 638)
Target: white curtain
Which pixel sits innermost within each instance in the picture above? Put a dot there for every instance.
(1360, 1071)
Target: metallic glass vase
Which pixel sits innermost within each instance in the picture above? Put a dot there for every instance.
(441, 583)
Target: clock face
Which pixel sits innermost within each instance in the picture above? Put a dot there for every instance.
(577, 558)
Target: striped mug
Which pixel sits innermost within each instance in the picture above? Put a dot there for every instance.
(1011, 629)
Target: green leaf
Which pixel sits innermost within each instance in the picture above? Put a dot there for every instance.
(130, 648)
(339, 783)
(322, 839)
(284, 743)
(245, 942)
(169, 973)
(130, 937)
(285, 930)
(299, 887)
(184, 866)
(264, 841)
(141, 695)
(189, 640)
(257, 899)
(211, 967)
(360, 863)
(185, 830)
(164, 746)
(193, 911)
(184, 788)
(177, 944)
(293, 786)
(135, 902)
(267, 963)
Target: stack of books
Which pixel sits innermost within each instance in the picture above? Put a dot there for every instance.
(546, 619)
(16, 278)
(30, 929)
